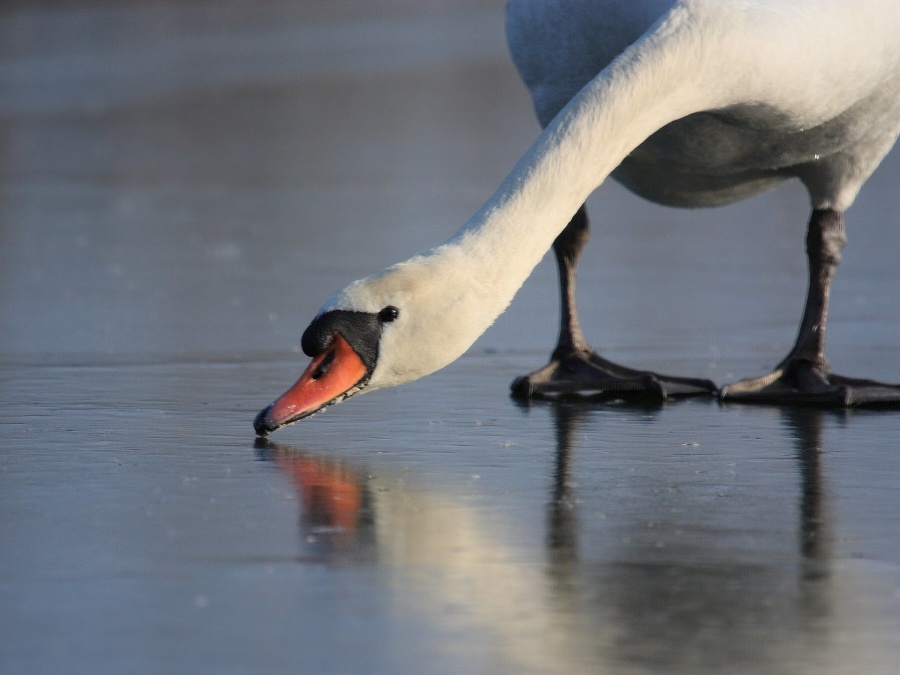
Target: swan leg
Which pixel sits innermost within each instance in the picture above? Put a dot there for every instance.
(804, 376)
(574, 367)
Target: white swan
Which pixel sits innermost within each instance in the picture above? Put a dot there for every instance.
(691, 103)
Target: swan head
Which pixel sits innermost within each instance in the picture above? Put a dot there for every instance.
(387, 329)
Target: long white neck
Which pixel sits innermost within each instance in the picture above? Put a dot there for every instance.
(455, 291)
(655, 82)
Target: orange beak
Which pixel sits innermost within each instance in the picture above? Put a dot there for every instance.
(330, 378)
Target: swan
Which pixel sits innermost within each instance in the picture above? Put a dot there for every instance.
(690, 103)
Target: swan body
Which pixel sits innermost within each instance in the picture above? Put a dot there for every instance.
(806, 89)
(690, 103)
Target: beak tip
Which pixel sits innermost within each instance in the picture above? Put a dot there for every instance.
(262, 425)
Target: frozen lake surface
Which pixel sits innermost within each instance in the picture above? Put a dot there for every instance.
(182, 185)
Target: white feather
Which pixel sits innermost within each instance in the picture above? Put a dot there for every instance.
(691, 103)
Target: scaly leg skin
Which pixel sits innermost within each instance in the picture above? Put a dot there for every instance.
(803, 376)
(574, 368)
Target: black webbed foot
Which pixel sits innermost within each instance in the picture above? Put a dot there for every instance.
(801, 382)
(584, 373)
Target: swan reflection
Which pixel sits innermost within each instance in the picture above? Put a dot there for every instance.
(582, 595)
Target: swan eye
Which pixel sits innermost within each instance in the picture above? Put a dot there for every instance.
(388, 314)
